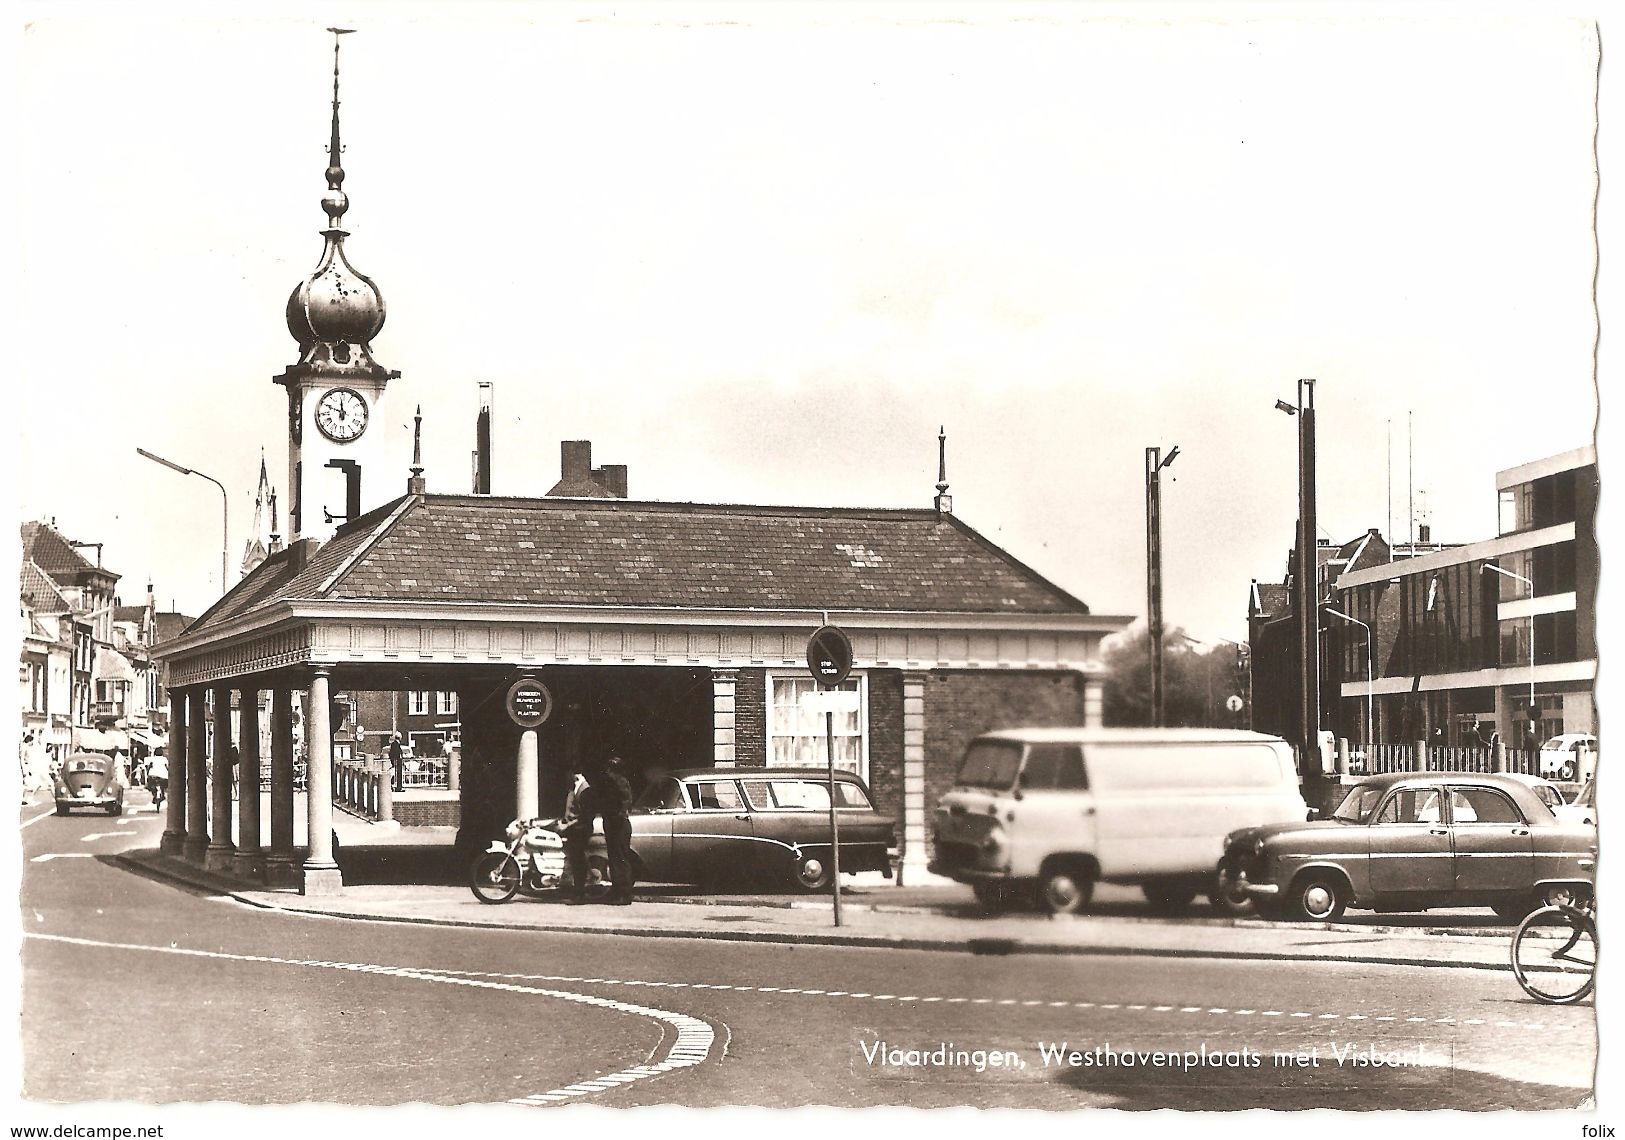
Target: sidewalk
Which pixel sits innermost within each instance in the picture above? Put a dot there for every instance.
(875, 914)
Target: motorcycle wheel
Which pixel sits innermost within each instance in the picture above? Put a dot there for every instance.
(598, 884)
(494, 877)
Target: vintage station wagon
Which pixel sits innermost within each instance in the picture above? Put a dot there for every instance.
(1414, 840)
(728, 826)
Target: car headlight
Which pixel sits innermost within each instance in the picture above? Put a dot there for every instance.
(1258, 847)
(993, 843)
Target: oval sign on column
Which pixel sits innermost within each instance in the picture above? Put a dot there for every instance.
(829, 655)
(529, 703)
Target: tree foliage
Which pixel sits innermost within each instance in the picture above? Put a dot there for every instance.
(1195, 685)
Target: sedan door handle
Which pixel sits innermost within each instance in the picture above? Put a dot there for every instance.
(1438, 831)
(745, 817)
(1520, 831)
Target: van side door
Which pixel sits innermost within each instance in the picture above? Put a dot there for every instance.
(1054, 812)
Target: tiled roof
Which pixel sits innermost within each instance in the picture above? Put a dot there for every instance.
(616, 553)
(170, 626)
(40, 592)
(48, 550)
(130, 613)
(1273, 599)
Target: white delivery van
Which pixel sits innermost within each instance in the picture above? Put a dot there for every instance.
(1045, 813)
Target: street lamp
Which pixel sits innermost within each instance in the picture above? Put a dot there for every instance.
(1533, 711)
(224, 529)
(1155, 461)
(1370, 736)
(1306, 570)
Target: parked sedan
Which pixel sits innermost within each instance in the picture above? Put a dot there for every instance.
(1414, 840)
(89, 780)
(1552, 796)
(732, 825)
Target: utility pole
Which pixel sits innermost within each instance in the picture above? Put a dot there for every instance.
(1154, 463)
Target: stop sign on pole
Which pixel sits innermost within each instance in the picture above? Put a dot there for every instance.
(829, 655)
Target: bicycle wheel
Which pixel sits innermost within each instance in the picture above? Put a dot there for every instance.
(494, 877)
(1554, 954)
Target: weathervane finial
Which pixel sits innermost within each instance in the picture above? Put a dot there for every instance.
(335, 202)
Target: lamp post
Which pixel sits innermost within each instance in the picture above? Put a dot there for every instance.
(224, 517)
(1305, 587)
(1155, 461)
(1533, 711)
(1370, 736)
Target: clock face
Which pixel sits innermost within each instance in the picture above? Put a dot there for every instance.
(342, 415)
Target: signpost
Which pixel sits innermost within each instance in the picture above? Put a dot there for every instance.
(829, 658)
(529, 703)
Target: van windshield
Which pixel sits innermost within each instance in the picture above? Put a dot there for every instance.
(990, 764)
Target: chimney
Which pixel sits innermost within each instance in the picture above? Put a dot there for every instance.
(482, 442)
(575, 459)
(614, 479)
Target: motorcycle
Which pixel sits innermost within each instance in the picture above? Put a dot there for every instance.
(531, 859)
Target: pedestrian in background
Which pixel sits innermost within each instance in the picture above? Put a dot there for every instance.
(397, 762)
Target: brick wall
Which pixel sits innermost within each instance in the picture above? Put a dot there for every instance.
(426, 813)
(961, 705)
(750, 718)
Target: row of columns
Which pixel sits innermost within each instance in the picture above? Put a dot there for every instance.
(199, 794)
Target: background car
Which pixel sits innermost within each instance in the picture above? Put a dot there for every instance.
(1411, 841)
(1552, 796)
(89, 780)
(732, 826)
(1569, 757)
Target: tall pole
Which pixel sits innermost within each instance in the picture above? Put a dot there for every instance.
(1307, 586)
(1153, 575)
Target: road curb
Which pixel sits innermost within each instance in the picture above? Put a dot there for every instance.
(985, 946)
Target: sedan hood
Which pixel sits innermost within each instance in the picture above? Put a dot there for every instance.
(1250, 835)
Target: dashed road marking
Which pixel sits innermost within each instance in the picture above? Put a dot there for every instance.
(1022, 1002)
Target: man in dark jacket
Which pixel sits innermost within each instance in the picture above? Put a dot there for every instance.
(397, 763)
(607, 795)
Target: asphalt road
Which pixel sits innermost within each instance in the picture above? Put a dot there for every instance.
(135, 989)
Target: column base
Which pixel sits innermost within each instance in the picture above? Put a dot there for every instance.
(219, 857)
(913, 870)
(317, 881)
(281, 871)
(193, 848)
(249, 865)
(172, 843)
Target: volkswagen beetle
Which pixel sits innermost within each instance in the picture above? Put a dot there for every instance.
(89, 780)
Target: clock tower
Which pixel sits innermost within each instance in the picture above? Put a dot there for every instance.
(335, 437)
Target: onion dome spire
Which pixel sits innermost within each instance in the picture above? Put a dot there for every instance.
(336, 311)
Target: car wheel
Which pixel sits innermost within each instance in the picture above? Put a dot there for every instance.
(1567, 770)
(1166, 898)
(115, 809)
(1065, 890)
(1318, 898)
(992, 897)
(1227, 897)
(811, 874)
(61, 809)
(1560, 896)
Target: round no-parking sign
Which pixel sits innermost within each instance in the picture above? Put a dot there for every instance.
(829, 655)
(529, 703)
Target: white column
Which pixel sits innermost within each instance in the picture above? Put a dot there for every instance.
(221, 854)
(1094, 702)
(320, 874)
(916, 845)
(724, 687)
(527, 777)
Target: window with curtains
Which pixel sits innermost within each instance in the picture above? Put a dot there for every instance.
(796, 735)
(417, 704)
(445, 703)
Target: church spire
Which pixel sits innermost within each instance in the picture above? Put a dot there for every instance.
(335, 203)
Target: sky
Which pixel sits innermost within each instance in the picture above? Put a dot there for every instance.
(761, 253)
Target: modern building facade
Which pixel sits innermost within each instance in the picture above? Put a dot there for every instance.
(1496, 635)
